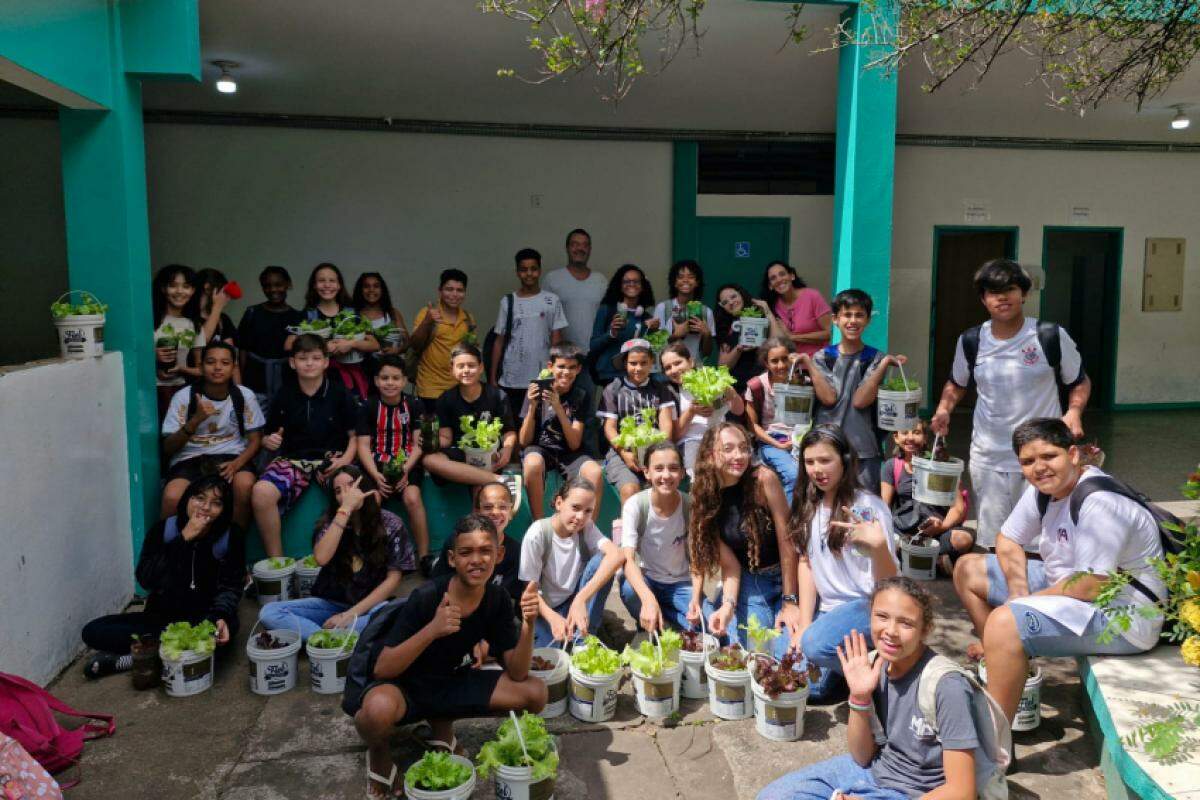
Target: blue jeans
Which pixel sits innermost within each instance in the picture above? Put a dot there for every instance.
(820, 642)
(819, 781)
(673, 600)
(542, 635)
(761, 595)
(784, 465)
(306, 615)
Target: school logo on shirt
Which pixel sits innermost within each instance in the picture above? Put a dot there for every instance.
(921, 729)
(1062, 535)
(864, 513)
(1032, 623)
(1030, 355)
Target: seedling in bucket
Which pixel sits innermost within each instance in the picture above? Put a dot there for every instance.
(936, 475)
(522, 757)
(80, 325)
(187, 655)
(729, 683)
(329, 654)
(918, 557)
(656, 673)
(636, 433)
(898, 403)
(780, 689)
(480, 440)
(440, 776)
(707, 386)
(595, 671)
(393, 469)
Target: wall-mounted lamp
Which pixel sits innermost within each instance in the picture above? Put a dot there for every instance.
(225, 83)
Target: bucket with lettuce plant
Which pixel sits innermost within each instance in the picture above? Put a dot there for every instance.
(187, 653)
(936, 475)
(595, 673)
(350, 327)
(480, 440)
(306, 575)
(637, 432)
(693, 654)
(274, 660)
(780, 689)
(523, 757)
(707, 386)
(752, 326)
(273, 577)
(329, 652)
(552, 666)
(440, 776)
(80, 325)
(898, 405)
(657, 672)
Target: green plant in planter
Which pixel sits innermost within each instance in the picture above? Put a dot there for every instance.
(648, 659)
(506, 751)
(393, 470)
(639, 430)
(752, 312)
(899, 384)
(595, 659)
(695, 309)
(317, 326)
(484, 434)
(180, 637)
(437, 771)
(760, 635)
(282, 562)
(89, 305)
(309, 561)
(658, 340)
(332, 639)
(707, 385)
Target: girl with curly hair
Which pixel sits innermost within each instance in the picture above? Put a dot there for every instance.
(739, 526)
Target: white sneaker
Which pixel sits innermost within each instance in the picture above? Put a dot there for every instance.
(515, 483)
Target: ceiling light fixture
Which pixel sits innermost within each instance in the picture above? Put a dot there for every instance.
(1180, 121)
(225, 83)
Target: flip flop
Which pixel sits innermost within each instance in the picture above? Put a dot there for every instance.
(388, 784)
(453, 747)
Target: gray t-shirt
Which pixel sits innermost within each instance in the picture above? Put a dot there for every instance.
(911, 760)
(580, 299)
(846, 373)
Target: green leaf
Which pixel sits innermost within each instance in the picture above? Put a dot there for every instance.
(437, 771)
(595, 658)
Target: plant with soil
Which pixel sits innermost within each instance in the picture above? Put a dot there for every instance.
(181, 637)
(595, 658)
(506, 751)
(541, 664)
(650, 659)
(265, 641)
(783, 676)
(333, 639)
(437, 771)
(731, 658)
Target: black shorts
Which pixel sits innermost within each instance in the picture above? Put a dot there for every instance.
(197, 467)
(463, 694)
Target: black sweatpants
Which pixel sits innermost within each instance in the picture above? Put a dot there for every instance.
(114, 633)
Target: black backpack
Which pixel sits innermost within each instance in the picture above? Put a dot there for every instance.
(1167, 522)
(361, 664)
(239, 406)
(1048, 334)
(489, 341)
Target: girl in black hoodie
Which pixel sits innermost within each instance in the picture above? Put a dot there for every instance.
(192, 565)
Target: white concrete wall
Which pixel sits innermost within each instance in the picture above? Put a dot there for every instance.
(66, 534)
(407, 205)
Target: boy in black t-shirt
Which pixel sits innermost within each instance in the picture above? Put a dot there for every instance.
(387, 425)
(416, 663)
(627, 396)
(551, 432)
(494, 502)
(474, 399)
(261, 334)
(311, 434)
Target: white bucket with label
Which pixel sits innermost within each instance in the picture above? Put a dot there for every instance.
(274, 583)
(555, 679)
(460, 792)
(80, 335)
(899, 411)
(780, 719)
(479, 457)
(273, 671)
(752, 331)
(1029, 709)
(918, 558)
(935, 483)
(516, 783)
(593, 697)
(191, 673)
(793, 404)
(306, 576)
(694, 680)
(327, 667)
(658, 696)
(729, 693)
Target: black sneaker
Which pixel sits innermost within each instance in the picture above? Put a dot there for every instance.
(426, 564)
(103, 664)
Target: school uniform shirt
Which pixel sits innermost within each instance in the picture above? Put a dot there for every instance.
(580, 299)
(624, 398)
(548, 433)
(493, 621)
(1114, 533)
(391, 428)
(729, 526)
(664, 312)
(433, 367)
(363, 577)
(803, 316)
(845, 373)
(662, 546)
(1015, 384)
(907, 513)
(847, 576)
(560, 577)
(218, 435)
(911, 759)
(491, 404)
(178, 324)
(313, 425)
(260, 335)
(527, 349)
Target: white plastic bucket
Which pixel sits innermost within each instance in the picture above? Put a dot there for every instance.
(658, 696)
(899, 411)
(555, 680)
(305, 578)
(327, 668)
(793, 404)
(918, 561)
(460, 792)
(190, 674)
(1029, 709)
(274, 584)
(274, 671)
(752, 331)
(780, 719)
(81, 335)
(936, 482)
(479, 457)
(729, 693)
(593, 697)
(516, 783)
(694, 683)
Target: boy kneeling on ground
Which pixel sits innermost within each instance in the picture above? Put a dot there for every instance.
(1027, 608)
(414, 660)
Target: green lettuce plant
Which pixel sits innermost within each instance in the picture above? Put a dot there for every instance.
(649, 659)
(707, 385)
(310, 561)
(393, 469)
(658, 340)
(181, 637)
(899, 384)
(328, 639)
(752, 312)
(484, 434)
(506, 751)
(760, 635)
(640, 430)
(437, 771)
(89, 304)
(595, 658)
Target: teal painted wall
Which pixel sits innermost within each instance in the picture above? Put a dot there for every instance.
(64, 41)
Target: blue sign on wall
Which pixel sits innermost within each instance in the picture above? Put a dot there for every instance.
(741, 249)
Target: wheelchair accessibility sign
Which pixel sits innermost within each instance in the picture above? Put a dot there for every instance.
(741, 249)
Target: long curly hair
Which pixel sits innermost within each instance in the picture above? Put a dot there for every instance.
(703, 536)
(613, 295)
(807, 497)
(365, 534)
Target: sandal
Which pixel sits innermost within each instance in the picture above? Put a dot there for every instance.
(453, 748)
(375, 782)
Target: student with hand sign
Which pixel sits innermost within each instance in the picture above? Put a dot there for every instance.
(416, 662)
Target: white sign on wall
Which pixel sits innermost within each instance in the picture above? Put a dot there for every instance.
(977, 212)
(1079, 213)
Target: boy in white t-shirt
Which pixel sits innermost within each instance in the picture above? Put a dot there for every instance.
(537, 324)
(1010, 360)
(1044, 608)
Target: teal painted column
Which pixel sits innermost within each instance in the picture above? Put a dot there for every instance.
(685, 229)
(865, 172)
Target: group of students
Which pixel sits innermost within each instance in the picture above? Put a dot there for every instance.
(805, 542)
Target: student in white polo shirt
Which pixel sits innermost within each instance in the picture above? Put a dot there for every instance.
(1029, 608)
(1020, 367)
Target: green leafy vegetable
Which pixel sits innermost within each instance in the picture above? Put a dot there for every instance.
(181, 637)
(310, 561)
(484, 434)
(707, 385)
(753, 312)
(505, 750)
(595, 658)
(646, 659)
(695, 309)
(760, 635)
(658, 340)
(280, 563)
(393, 470)
(333, 639)
(168, 336)
(898, 384)
(347, 325)
(731, 658)
(437, 771)
(640, 430)
(545, 374)
(89, 304)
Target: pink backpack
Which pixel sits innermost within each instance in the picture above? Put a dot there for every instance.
(26, 714)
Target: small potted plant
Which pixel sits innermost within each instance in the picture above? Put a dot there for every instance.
(780, 689)
(480, 440)
(752, 325)
(524, 765)
(187, 652)
(729, 683)
(440, 776)
(656, 673)
(637, 432)
(936, 474)
(80, 325)
(708, 386)
(147, 666)
(898, 406)
(595, 672)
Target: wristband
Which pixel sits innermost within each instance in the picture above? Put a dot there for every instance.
(860, 701)
(867, 708)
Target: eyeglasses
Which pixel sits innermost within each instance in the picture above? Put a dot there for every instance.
(727, 302)
(632, 282)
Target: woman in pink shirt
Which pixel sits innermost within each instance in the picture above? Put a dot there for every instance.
(802, 311)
